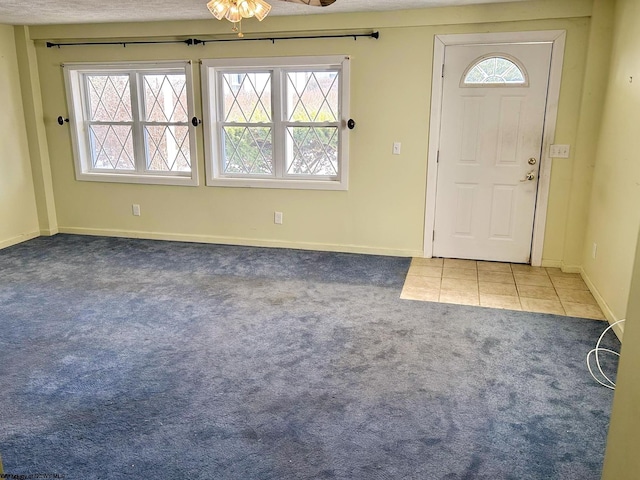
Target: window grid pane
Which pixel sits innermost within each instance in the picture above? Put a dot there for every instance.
(495, 70)
(247, 97)
(312, 96)
(313, 103)
(165, 98)
(109, 98)
(247, 128)
(312, 150)
(166, 130)
(248, 150)
(111, 147)
(167, 148)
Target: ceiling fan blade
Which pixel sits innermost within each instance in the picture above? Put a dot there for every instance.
(312, 3)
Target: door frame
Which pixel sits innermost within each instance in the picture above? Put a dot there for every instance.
(557, 38)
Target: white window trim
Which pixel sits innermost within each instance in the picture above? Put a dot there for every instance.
(213, 146)
(80, 140)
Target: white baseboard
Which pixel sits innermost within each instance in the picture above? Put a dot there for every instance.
(49, 232)
(551, 263)
(571, 268)
(562, 266)
(253, 242)
(18, 239)
(611, 318)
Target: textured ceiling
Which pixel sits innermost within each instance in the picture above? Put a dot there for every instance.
(39, 12)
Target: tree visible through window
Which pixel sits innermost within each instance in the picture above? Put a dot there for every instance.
(313, 122)
(275, 120)
(131, 122)
(110, 122)
(247, 125)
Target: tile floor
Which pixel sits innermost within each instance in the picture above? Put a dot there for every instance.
(500, 285)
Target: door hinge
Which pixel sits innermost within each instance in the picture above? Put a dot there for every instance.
(442, 73)
(433, 238)
(438, 157)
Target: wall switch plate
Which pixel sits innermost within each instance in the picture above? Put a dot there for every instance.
(397, 147)
(277, 218)
(559, 151)
(135, 210)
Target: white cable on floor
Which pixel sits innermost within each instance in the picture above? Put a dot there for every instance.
(596, 351)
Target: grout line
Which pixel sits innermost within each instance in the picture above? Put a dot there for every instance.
(517, 288)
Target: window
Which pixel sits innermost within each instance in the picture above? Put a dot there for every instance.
(277, 122)
(130, 122)
(495, 71)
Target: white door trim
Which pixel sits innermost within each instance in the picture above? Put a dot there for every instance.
(557, 38)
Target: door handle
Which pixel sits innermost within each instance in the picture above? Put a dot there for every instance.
(529, 177)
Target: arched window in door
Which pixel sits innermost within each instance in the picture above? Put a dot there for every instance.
(495, 70)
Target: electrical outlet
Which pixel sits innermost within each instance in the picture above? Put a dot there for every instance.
(594, 250)
(277, 218)
(135, 210)
(397, 147)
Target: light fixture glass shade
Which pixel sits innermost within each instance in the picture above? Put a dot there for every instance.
(236, 10)
(233, 14)
(262, 9)
(218, 8)
(246, 8)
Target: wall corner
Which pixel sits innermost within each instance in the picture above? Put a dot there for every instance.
(36, 134)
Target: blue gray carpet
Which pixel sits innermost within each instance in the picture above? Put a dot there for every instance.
(133, 359)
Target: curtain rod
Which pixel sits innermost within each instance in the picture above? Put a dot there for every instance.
(196, 41)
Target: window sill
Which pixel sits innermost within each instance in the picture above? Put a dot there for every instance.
(282, 184)
(147, 179)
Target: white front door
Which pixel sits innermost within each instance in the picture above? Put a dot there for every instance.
(493, 109)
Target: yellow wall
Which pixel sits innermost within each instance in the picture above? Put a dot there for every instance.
(614, 221)
(36, 136)
(622, 461)
(614, 212)
(383, 210)
(590, 116)
(18, 217)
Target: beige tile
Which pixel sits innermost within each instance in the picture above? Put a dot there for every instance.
(500, 301)
(556, 272)
(583, 311)
(421, 288)
(541, 306)
(415, 281)
(426, 262)
(535, 279)
(424, 294)
(569, 283)
(520, 268)
(459, 298)
(576, 296)
(459, 273)
(494, 267)
(455, 263)
(495, 277)
(533, 291)
(490, 288)
(459, 285)
(425, 271)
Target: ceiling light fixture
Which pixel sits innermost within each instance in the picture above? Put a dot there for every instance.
(236, 10)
